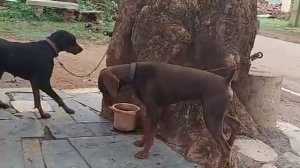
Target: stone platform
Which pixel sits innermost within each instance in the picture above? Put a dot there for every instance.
(82, 140)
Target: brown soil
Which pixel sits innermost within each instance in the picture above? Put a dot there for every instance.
(285, 36)
(80, 64)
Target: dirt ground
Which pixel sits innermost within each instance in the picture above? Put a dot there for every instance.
(80, 64)
(294, 38)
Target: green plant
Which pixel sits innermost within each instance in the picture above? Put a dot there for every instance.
(109, 8)
(20, 11)
(85, 5)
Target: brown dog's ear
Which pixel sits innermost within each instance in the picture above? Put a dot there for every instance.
(111, 83)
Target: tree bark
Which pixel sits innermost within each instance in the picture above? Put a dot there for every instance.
(203, 34)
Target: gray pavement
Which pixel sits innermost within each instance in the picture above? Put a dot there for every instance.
(281, 57)
(82, 140)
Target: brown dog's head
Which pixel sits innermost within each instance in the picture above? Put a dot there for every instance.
(108, 83)
(65, 41)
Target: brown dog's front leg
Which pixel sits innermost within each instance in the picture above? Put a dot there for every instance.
(149, 133)
(140, 143)
(37, 100)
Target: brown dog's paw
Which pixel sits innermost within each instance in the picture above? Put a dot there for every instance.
(139, 143)
(45, 116)
(141, 155)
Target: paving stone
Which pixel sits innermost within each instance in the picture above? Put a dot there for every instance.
(32, 153)
(293, 133)
(5, 115)
(117, 152)
(21, 128)
(61, 94)
(268, 166)
(80, 91)
(28, 106)
(23, 90)
(22, 96)
(256, 150)
(101, 129)
(4, 98)
(58, 116)
(60, 131)
(292, 157)
(92, 100)
(82, 114)
(60, 154)
(11, 153)
(27, 115)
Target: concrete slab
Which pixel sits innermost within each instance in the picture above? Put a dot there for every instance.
(32, 153)
(293, 133)
(101, 129)
(82, 114)
(92, 100)
(117, 152)
(23, 90)
(256, 150)
(28, 106)
(81, 91)
(58, 116)
(4, 98)
(292, 157)
(22, 96)
(268, 166)
(11, 153)
(61, 94)
(5, 115)
(60, 154)
(20, 128)
(27, 115)
(60, 131)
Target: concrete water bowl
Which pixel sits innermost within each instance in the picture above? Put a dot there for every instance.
(125, 116)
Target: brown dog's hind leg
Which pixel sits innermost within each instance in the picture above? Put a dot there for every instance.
(37, 100)
(234, 125)
(214, 109)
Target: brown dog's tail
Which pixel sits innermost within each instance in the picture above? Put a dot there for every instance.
(230, 76)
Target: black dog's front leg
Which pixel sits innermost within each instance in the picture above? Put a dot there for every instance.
(46, 87)
(37, 100)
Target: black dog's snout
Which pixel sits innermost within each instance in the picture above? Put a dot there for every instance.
(75, 49)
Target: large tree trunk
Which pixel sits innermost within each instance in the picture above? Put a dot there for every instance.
(204, 34)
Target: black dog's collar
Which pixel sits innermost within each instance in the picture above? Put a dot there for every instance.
(53, 46)
(132, 71)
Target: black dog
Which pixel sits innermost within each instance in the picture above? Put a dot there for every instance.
(34, 62)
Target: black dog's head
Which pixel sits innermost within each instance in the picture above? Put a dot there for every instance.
(65, 41)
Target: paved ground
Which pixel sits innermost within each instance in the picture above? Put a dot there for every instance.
(281, 57)
(82, 140)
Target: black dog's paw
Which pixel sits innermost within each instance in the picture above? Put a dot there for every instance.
(45, 116)
(4, 106)
(70, 111)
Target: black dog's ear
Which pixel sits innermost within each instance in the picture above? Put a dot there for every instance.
(111, 83)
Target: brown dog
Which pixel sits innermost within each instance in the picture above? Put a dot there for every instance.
(159, 85)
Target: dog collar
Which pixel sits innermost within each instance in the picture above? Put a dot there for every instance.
(132, 71)
(53, 46)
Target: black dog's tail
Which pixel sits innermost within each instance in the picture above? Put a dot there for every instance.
(230, 76)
